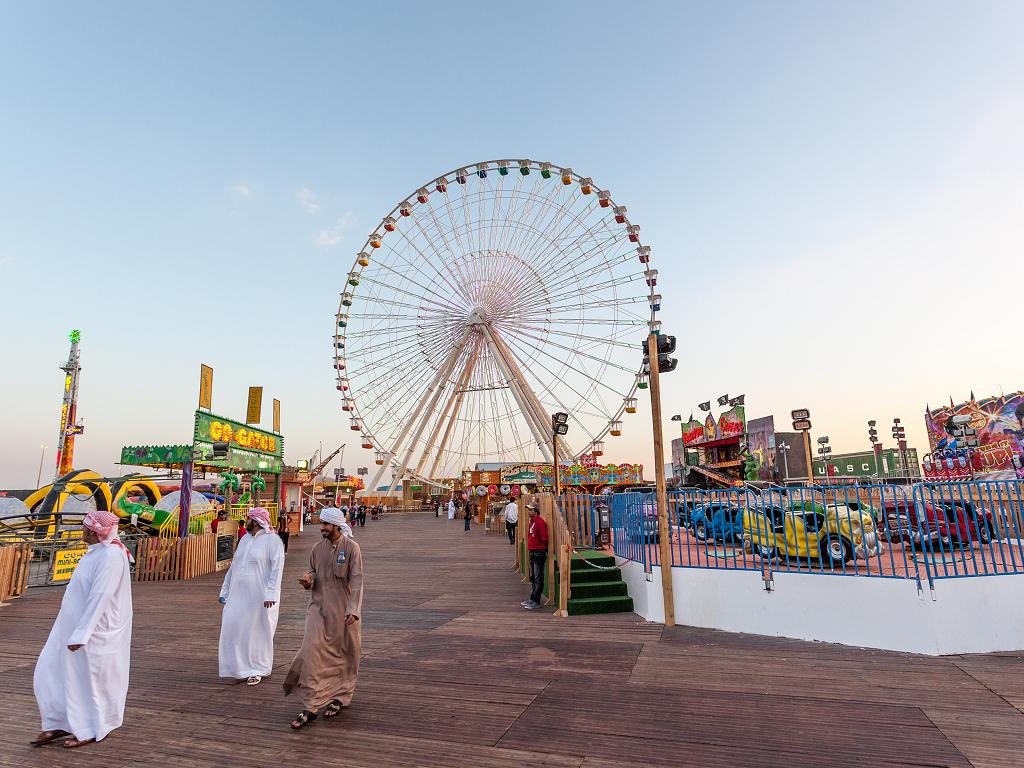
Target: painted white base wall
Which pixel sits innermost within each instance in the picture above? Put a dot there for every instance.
(967, 615)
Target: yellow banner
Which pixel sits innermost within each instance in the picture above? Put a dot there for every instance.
(277, 415)
(252, 413)
(65, 562)
(205, 387)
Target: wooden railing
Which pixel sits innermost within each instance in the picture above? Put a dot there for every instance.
(160, 559)
(14, 560)
(560, 548)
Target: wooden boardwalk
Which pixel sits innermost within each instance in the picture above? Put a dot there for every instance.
(455, 673)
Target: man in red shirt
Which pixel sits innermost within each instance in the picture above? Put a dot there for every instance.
(537, 547)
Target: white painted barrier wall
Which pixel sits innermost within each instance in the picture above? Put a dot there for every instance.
(966, 615)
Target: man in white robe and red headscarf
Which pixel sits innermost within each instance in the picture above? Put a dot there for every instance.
(251, 596)
(81, 677)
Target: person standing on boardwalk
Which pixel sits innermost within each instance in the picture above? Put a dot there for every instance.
(251, 595)
(451, 508)
(467, 513)
(510, 514)
(326, 667)
(81, 678)
(282, 528)
(537, 546)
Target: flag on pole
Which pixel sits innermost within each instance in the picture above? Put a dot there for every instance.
(723, 400)
(738, 400)
(677, 417)
(706, 406)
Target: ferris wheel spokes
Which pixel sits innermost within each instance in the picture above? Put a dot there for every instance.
(442, 374)
(451, 409)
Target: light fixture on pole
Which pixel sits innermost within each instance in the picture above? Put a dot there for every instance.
(784, 450)
(824, 450)
(559, 427)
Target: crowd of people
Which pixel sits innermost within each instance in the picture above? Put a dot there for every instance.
(81, 676)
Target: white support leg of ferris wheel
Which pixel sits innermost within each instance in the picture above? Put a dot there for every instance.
(451, 408)
(434, 393)
(522, 399)
(540, 412)
(442, 373)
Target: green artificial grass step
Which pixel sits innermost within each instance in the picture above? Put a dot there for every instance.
(588, 575)
(598, 589)
(591, 605)
(587, 558)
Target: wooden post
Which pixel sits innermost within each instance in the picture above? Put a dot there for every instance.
(547, 512)
(807, 455)
(664, 546)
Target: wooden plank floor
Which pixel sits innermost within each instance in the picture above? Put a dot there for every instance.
(455, 673)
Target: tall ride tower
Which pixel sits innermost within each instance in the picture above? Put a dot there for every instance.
(69, 427)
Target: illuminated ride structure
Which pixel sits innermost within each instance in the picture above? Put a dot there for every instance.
(69, 427)
(490, 297)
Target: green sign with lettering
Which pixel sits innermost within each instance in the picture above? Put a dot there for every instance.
(239, 437)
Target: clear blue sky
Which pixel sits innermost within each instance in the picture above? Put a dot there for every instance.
(188, 182)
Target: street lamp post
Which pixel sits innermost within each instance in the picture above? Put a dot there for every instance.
(875, 446)
(824, 450)
(39, 474)
(559, 427)
(784, 449)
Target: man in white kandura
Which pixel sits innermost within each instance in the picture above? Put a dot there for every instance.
(81, 678)
(251, 593)
(451, 508)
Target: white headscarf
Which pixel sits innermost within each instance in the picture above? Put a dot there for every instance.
(334, 516)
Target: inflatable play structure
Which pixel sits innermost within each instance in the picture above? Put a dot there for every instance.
(55, 511)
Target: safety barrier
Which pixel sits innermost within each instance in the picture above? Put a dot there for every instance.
(14, 562)
(159, 559)
(580, 512)
(925, 531)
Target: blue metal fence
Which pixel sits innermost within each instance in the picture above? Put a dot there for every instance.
(924, 531)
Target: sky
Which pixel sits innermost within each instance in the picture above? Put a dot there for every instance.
(832, 194)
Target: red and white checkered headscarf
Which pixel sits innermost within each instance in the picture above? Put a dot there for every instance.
(261, 516)
(104, 525)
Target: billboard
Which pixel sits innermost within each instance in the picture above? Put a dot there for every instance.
(999, 422)
(709, 428)
(693, 432)
(761, 445)
(205, 386)
(254, 405)
(732, 423)
(210, 429)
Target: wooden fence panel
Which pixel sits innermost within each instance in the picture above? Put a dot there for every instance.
(171, 559)
(14, 562)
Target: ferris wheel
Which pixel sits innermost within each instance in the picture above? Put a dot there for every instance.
(492, 296)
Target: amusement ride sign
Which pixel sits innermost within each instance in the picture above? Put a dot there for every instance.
(249, 448)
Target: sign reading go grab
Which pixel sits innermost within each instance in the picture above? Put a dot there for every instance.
(65, 562)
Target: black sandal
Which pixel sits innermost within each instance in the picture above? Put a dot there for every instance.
(305, 717)
(332, 708)
(47, 737)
